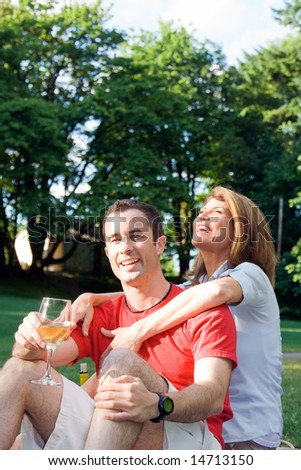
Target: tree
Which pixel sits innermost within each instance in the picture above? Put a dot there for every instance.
(294, 268)
(291, 16)
(160, 114)
(51, 57)
(269, 91)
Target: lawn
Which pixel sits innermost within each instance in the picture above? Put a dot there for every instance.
(291, 335)
(291, 402)
(13, 307)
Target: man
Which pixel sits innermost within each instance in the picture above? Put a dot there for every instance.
(180, 376)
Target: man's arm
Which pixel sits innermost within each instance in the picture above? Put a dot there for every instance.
(196, 402)
(206, 396)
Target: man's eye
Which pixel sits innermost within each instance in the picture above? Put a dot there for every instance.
(138, 236)
(114, 239)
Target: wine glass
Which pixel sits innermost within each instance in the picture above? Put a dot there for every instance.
(55, 315)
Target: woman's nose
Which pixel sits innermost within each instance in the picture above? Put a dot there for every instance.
(203, 216)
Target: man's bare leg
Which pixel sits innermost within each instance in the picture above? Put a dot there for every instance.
(109, 435)
(151, 437)
(17, 443)
(19, 396)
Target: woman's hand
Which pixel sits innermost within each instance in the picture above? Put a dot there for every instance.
(83, 309)
(126, 337)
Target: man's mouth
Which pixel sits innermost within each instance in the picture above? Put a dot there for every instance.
(129, 262)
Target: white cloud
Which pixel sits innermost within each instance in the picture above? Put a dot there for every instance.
(237, 25)
(217, 17)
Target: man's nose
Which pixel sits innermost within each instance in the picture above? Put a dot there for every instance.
(125, 245)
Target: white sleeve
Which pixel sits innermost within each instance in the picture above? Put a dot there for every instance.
(252, 280)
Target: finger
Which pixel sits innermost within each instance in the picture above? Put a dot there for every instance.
(75, 315)
(29, 331)
(33, 319)
(28, 343)
(109, 386)
(118, 384)
(108, 333)
(119, 416)
(87, 321)
(112, 412)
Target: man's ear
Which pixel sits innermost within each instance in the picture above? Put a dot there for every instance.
(160, 243)
(106, 251)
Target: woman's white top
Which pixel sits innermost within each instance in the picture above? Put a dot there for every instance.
(255, 388)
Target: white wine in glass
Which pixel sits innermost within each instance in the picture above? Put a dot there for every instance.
(55, 316)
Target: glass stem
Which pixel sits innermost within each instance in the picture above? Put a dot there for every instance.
(50, 350)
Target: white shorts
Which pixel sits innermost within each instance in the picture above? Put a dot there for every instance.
(72, 426)
(188, 436)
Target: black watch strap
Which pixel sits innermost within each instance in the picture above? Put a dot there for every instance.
(165, 407)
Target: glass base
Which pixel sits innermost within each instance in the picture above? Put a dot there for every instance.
(46, 380)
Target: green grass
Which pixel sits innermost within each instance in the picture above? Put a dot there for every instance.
(291, 335)
(16, 300)
(291, 401)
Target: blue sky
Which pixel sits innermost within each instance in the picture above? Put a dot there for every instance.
(236, 25)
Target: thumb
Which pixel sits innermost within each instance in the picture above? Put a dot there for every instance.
(107, 333)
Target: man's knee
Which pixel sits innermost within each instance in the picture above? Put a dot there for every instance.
(121, 361)
(19, 368)
(126, 362)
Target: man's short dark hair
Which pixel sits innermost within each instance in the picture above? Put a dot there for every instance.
(152, 216)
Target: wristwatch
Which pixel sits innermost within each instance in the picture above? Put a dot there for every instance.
(165, 407)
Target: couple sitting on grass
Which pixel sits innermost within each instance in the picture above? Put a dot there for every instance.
(172, 364)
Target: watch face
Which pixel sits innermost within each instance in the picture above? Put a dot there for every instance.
(165, 405)
(168, 405)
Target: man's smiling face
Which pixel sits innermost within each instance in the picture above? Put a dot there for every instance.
(130, 247)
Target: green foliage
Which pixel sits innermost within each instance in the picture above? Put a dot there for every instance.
(47, 56)
(270, 120)
(149, 143)
(295, 268)
(290, 15)
(88, 115)
(287, 291)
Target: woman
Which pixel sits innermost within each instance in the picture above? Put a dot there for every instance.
(235, 265)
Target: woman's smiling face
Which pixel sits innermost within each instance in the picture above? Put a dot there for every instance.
(213, 227)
